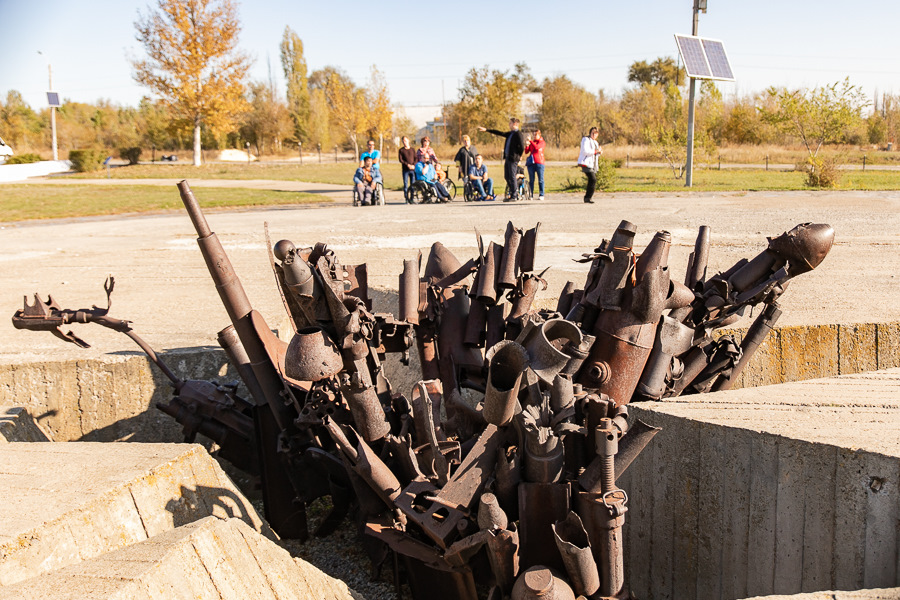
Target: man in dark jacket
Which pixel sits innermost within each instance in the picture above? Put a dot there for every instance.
(513, 149)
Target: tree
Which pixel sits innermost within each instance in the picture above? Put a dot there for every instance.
(488, 98)
(348, 106)
(267, 122)
(662, 71)
(819, 116)
(193, 62)
(567, 111)
(295, 73)
(379, 113)
(522, 76)
(21, 126)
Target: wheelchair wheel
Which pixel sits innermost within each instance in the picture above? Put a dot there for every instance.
(450, 186)
(379, 195)
(420, 194)
(469, 192)
(524, 192)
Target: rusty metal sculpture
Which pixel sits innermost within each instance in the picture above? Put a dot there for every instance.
(514, 490)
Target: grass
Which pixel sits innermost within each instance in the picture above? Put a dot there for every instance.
(28, 202)
(644, 179)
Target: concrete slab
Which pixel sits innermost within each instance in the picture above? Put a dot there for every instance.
(68, 502)
(774, 490)
(210, 559)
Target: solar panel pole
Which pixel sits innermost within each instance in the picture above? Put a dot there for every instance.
(52, 115)
(689, 161)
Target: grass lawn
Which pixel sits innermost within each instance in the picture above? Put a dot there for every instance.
(25, 202)
(556, 178)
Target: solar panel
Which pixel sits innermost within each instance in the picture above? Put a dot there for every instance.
(704, 58)
(53, 99)
(693, 56)
(718, 60)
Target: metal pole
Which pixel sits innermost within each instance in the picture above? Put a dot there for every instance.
(300, 150)
(52, 115)
(689, 163)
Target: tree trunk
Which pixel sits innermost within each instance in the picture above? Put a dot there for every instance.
(197, 147)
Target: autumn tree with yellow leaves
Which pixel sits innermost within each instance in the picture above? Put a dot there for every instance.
(193, 62)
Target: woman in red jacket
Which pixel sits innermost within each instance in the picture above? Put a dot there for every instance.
(536, 163)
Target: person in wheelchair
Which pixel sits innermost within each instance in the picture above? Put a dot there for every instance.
(478, 179)
(427, 175)
(366, 180)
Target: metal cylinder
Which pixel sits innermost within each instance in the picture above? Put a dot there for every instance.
(312, 356)
(604, 516)
(409, 292)
(507, 361)
(476, 325)
(368, 414)
(755, 336)
(575, 548)
(506, 273)
(490, 515)
(541, 583)
(487, 274)
(696, 274)
(528, 249)
(562, 394)
(237, 355)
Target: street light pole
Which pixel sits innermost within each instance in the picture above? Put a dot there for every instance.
(52, 111)
(689, 162)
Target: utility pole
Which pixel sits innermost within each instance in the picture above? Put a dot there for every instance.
(52, 110)
(689, 163)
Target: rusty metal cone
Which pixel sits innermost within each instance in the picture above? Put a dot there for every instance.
(312, 356)
(805, 246)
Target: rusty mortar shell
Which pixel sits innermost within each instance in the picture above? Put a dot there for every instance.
(409, 292)
(672, 338)
(298, 275)
(804, 247)
(655, 255)
(503, 555)
(541, 583)
(564, 303)
(604, 516)
(496, 325)
(544, 456)
(575, 548)
(693, 362)
(490, 515)
(755, 271)
(696, 272)
(368, 414)
(312, 356)
(488, 273)
(441, 263)
(508, 476)
(506, 271)
(562, 393)
(528, 249)
(523, 297)
(507, 360)
(578, 354)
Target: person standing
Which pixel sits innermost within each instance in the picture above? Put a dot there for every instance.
(372, 153)
(587, 160)
(535, 150)
(465, 156)
(512, 154)
(407, 156)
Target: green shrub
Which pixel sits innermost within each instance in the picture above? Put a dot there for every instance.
(23, 159)
(617, 163)
(606, 173)
(87, 160)
(820, 172)
(132, 155)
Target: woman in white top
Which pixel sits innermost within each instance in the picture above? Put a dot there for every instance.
(587, 160)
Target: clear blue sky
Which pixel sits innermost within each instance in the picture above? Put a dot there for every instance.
(425, 49)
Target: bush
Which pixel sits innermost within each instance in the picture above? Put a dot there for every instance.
(132, 155)
(85, 161)
(606, 173)
(23, 159)
(820, 172)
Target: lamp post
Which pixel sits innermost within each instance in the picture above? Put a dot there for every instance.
(53, 106)
(247, 146)
(699, 5)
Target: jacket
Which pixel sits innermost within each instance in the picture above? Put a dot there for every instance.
(514, 145)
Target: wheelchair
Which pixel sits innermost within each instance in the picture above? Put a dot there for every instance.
(377, 199)
(470, 192)
(422, 193)
(523, 192)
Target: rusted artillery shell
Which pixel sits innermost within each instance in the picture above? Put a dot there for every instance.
(496, 325)
(506, 271)
(604, 516)
(672, 338)
(409, 292)
(564, 304)
(572, 542)
(476, 325)
(507, 361)
(503, 554)
(541, 583)
(312, 356)
(562, 394)
(490, 515)
(487, 274)
(696, 272)
(526, 288)
(544, 343)
(368, 414)
(804, 247)
(440, 264)
(544, 457)
(528, 249)
(755, 336)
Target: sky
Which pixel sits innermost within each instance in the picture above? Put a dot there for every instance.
(425, 49)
